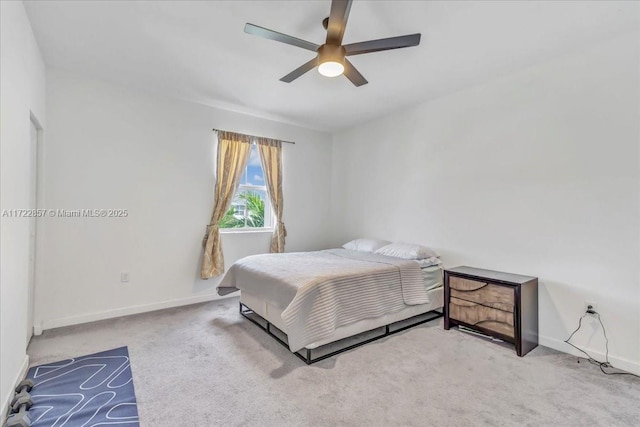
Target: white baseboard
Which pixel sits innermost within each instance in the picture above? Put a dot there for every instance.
(126, 311)
(7, 399)
(618, 362)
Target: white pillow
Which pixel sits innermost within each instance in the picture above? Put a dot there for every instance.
(407, 251)
(365, 245)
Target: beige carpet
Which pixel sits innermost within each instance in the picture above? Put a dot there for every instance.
(205, 365)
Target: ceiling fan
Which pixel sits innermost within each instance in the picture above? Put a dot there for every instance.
(331, 56)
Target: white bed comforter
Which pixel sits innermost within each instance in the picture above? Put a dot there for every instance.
(321, 291)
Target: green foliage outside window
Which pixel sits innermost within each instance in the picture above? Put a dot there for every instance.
(253, 213)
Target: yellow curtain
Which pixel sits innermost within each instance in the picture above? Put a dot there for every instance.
(271, 157)
(233, 153)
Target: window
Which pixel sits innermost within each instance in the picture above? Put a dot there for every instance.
(250, 208)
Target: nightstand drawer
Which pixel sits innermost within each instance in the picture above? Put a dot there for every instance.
(488, 318)
(500, 297)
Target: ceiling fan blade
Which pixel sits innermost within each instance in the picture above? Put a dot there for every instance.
(300, 71)
(353, 74)
(338, 21)
(383, 44)
(279, 37)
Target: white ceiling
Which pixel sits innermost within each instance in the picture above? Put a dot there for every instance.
(197, 50)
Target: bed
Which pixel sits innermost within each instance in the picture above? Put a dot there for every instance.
(308, 300)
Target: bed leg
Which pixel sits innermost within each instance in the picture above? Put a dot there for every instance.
(308, 357)
(386, 330)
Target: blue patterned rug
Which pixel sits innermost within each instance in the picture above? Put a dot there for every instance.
(93, 390)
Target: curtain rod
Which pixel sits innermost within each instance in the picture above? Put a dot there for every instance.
(254, 136)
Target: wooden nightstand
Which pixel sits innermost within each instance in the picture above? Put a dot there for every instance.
(502, 305)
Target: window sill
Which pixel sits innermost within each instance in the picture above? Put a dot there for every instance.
(245, 230)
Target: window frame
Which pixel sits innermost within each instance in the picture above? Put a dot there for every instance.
(268, 210)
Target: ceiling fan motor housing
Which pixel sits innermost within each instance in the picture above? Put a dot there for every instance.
(331, 53)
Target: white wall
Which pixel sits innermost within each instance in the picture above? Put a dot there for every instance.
(535, 173)
(111, 147)
(22, 83)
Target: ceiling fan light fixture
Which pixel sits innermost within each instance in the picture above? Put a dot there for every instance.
(331, 68)
(331, 60)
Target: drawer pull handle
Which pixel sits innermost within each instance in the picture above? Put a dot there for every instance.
(466, 285)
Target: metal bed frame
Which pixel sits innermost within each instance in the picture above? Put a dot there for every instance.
(306, 358)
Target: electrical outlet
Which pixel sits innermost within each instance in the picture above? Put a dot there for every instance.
(594, 306)
(124, 277)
